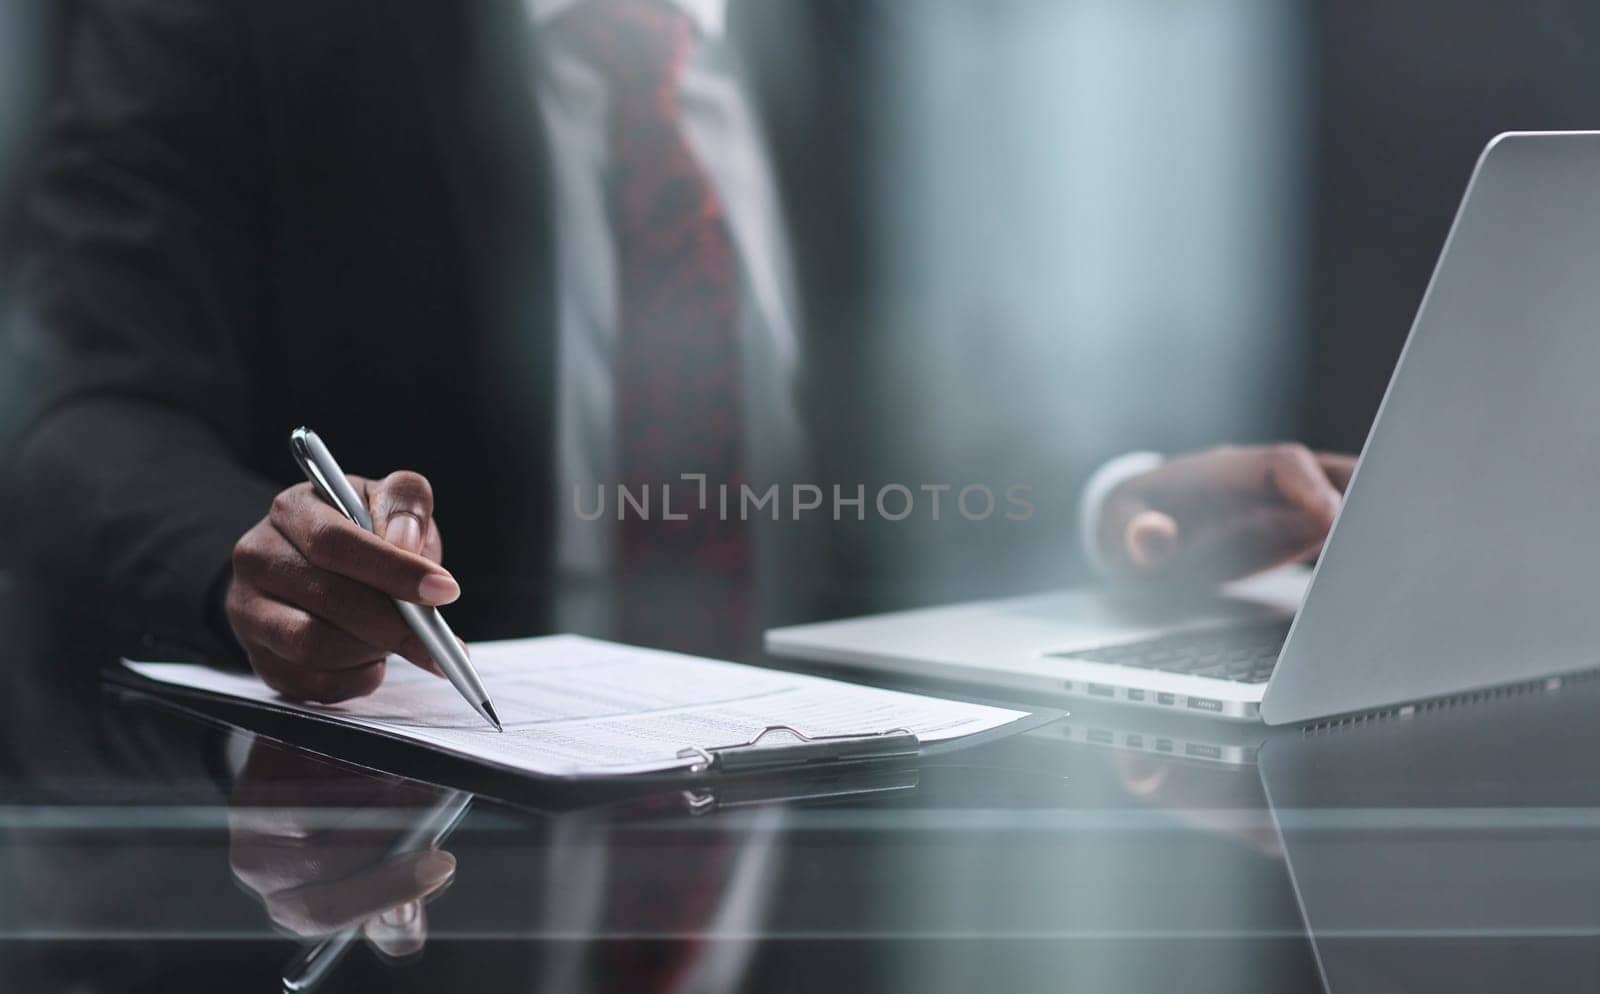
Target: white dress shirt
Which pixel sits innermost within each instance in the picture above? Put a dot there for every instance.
(572, 100)
(1092, 501)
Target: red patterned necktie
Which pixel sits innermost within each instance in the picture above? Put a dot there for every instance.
(677, 366)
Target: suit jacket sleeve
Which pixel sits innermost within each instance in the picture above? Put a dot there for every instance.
(140, 282)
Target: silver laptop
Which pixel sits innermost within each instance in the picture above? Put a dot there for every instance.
(1466, 552)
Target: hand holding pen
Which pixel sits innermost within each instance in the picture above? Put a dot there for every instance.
(319, 599)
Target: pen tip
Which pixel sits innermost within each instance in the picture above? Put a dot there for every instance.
(494, 719)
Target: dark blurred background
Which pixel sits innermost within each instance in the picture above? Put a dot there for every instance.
(1123, 223)
(1406, 94)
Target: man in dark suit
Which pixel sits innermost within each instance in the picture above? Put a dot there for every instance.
(532, 247)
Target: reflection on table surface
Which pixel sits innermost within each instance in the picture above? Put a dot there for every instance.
(149, 847)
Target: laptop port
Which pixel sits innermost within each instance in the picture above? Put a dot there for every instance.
(1163, 745)
(1102, 690)
(1168, 699)
(1205, 704)
(1135, 695)
(1203, 751)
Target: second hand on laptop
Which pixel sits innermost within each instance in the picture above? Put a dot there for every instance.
(425, 622)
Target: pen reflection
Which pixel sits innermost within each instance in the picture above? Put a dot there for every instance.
(642, 894)
(665, 890)
(323, 847)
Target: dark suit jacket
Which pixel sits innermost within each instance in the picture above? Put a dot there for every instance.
(261, 213)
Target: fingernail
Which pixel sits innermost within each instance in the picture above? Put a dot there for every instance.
(406, 532)
(438, 588)
(1151, 541)
(401, 915)
(432, 869)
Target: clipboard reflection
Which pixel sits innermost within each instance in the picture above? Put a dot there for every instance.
(341, 856)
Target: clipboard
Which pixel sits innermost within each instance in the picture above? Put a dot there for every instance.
(805, 750)
(742, 773)
(880, 727)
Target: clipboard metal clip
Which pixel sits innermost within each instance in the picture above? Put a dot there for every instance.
(806, 749)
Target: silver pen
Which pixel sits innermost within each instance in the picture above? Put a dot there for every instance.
(426, 622)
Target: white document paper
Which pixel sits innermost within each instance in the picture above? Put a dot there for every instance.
(576, 707)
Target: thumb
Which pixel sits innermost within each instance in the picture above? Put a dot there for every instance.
(325, 906)
(399, 932)
(402, 509)
(1151, 539)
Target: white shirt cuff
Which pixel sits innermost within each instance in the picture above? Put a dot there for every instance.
(1091, 504)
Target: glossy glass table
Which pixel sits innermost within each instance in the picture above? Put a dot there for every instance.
(145, 847)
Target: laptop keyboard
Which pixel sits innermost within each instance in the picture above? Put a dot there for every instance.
(1241, 653)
